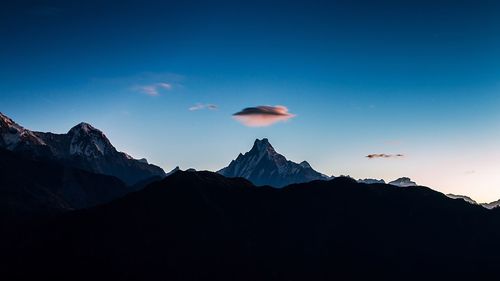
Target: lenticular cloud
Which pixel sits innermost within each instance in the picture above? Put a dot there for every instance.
(263, 115)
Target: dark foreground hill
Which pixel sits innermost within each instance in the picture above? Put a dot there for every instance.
(38, 187)
(203, 226)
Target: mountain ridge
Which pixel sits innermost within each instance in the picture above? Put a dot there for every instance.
(262, 165)
(83, 147)
(230, 230)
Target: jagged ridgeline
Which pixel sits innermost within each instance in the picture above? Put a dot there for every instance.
(262, 165)
(83, 147)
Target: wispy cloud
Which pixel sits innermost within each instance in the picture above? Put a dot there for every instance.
(263, 115)
(200, 106)
(383, 155)
(155, 89)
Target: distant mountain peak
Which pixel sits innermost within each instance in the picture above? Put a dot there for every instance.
(174, 170)
(403, 182)
(89, 141)
(262, 165)
(371, 181)
(83, 127)
(263, 146)
(305, 164)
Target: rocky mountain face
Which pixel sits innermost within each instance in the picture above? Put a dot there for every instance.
(83, 147)
(371, 181)
(262, 165)
(403, 182)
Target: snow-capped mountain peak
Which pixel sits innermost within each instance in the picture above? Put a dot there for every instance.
(263, 147)
(83, 147)
(403, 182)
(264, 166)
(371, 181)
(88, 141)
(84, 128)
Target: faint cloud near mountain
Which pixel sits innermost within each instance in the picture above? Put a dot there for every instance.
(201, 106)
(383, 155)
(147, 83)
(263, 115)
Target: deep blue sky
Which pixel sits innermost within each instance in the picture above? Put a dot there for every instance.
(420, 78)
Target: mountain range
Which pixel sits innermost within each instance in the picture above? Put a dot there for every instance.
(83, 147)
(88, 149)
(71, 205)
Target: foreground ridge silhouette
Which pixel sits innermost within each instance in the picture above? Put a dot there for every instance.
(204, 226)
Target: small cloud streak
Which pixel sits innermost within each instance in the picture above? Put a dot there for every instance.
(201, 106)
(263, 115)
(383, 156)
(154, 90)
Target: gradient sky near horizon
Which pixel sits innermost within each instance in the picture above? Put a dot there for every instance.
(163, 79)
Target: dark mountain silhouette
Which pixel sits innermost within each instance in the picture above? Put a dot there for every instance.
(262, 165)
(83, 147)
(32, 187)
(203, 226)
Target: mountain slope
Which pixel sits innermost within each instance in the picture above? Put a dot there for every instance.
(31, 187)
(83, 147)
(491, 205)
(227, 229)
(262, 165)
(463, 197)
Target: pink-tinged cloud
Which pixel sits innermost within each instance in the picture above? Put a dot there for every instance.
(263, 115)
(383, 155)
(200, 106)
(154, 90)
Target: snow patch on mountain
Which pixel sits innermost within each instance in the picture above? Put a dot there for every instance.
(13, 135)
(83, 147)
(403, 182)
(462, 197)
(371, 181)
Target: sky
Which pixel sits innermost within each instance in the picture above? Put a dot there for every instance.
(415, 85)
